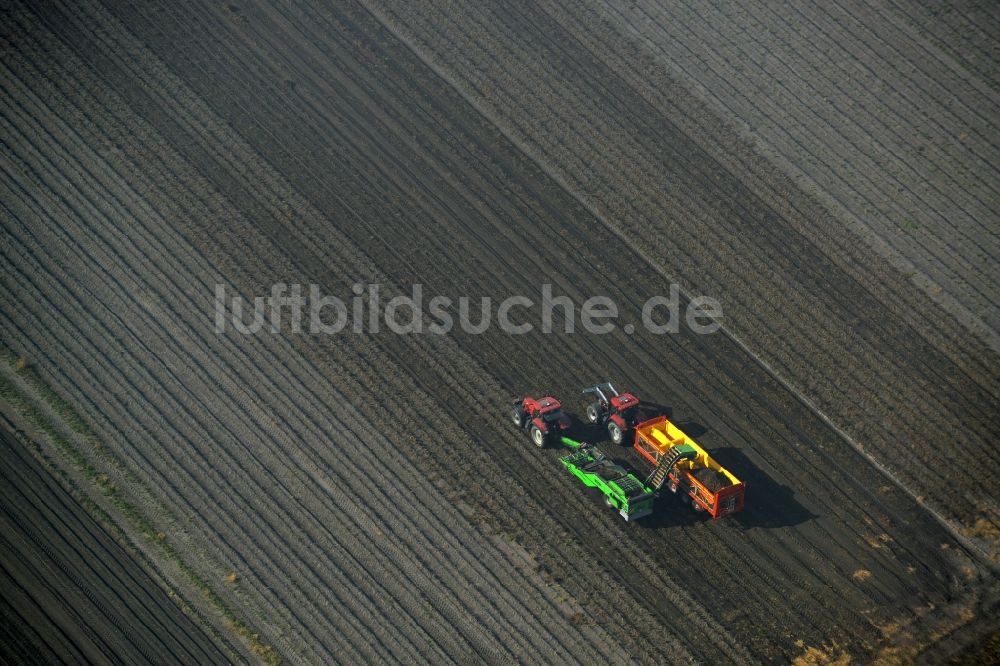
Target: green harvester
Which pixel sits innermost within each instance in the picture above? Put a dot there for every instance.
(622, 491)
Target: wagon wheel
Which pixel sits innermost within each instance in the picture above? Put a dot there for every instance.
(608, 503)
(696, 505)
(616, 432)
(537, 436)
(593, 413)
(517, 416)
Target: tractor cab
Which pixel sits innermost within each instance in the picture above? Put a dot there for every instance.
(543, 406)
(619, 412)
(542, 417)
(623, 402)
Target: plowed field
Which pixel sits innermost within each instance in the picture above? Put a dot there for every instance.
(827, 173)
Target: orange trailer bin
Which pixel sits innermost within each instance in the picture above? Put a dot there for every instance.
(710, 486)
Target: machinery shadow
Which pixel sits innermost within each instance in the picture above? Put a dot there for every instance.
(651, 410)
(672, 511)
(769, 504)
(592, 433)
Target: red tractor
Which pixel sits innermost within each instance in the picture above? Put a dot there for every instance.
(619, 412)
(543, 418)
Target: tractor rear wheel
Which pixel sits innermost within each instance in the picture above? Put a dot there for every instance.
(517, 416)
(616, 432)
(537, 436)
(593, 413)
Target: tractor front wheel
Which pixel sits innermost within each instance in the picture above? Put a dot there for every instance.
(517, 416)
(616, 433)
(537, 436)
(593, 413)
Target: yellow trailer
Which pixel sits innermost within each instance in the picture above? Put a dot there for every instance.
(688, 468)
